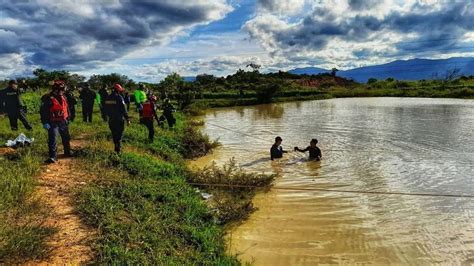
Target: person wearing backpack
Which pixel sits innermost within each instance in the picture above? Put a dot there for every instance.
(147, 115)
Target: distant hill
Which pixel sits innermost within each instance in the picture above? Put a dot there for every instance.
(309, 71)
(189, 79)
(413, 69)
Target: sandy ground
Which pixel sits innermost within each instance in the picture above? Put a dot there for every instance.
(71, 244)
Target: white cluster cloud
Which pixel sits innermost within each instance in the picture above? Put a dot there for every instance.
(137, 37)
(13, 64)
(75, 34)
(282, 7)
(349, 33)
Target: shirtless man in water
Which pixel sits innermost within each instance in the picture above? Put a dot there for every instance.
(277, 151)
(314, 151)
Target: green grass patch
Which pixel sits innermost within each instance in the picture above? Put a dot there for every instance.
(22, 233)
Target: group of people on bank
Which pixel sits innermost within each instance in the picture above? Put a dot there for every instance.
(57, 111)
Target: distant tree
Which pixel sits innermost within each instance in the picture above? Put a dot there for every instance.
(371, 81)
(266, 92)
(390, 79)
(205, 79)
(334, 71)
(75, 79)
(44, 77)
(254, 66)
(170, 84)
(186, 94)
(97, 81)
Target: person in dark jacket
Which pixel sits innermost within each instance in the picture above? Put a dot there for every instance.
(54, 112)
(314, 151)
(167, 115)
(147, 115)
(103, 95)
(276, 151)
(87, 97)
(116, 111)
(126, 99)
(12, 105)
(71, 101)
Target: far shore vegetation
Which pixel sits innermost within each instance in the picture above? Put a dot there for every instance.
(253, 87)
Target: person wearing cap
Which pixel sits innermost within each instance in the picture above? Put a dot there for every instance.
(116, 111)
(276, 151)
(55, 116)
(87, 97)
(147, 114)
(12, 105)
(140, 96)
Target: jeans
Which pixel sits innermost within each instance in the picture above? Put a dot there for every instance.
(62, 129)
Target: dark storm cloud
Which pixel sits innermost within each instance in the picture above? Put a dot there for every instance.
(431, 29)
(60, 34)
(363, 4)
(268, 4)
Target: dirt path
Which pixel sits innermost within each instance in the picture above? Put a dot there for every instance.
(71, 244)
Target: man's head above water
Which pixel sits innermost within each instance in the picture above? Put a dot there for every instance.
(278, 140)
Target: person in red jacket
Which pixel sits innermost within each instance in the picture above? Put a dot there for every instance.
(55, 118)
(147, 114)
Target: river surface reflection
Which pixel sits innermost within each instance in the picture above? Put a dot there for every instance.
(405, 145)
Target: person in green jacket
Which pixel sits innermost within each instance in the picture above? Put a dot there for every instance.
(101, 95)
(140, 97)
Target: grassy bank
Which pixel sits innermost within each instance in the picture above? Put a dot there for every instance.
(145, 207)
(22, 233)
(141, 202)
(461, 92)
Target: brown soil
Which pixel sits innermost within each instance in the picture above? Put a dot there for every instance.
(324, 81)
(56, 186)
(6, 150)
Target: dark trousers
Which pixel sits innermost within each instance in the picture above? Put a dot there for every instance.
(171, 120)
(102, 112)
(72, 115)
(62, 129)
(117, 126)
(87, 111)
(14, 116)
(148, 122)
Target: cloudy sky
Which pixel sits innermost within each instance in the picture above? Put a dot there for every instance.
(147, 40)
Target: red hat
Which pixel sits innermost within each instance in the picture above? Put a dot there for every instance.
(59, 85)
(153, 98)
(118, 88)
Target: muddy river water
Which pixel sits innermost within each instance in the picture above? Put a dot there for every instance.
(401, 145)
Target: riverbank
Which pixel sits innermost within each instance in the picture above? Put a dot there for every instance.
(140, 205)
(289, 95)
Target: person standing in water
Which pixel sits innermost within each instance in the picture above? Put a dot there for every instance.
(314, 151)
(276, 150)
